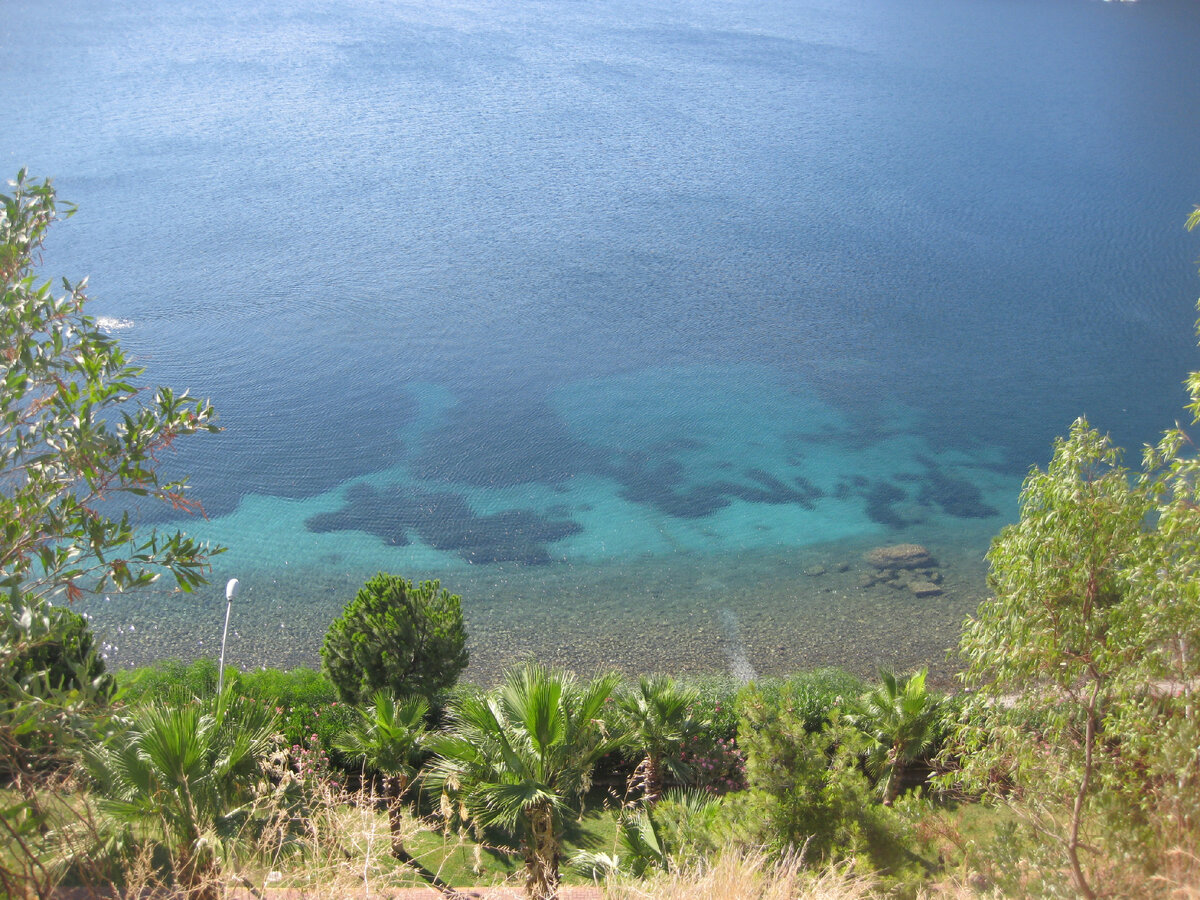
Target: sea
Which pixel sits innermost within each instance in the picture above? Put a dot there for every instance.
(638, 324)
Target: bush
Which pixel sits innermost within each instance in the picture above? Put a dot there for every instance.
(805, 789)
(65, 656)
(306, 702)
(812, 696)
(410, 640)
(169, 679)
(53, 688)
(292, 688)
(711, 751)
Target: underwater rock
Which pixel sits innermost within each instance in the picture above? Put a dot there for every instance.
(924, 589)
(901, 556)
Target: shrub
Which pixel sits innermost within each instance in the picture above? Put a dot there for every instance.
(292, 688)
(805, 789)
(65, 656)
(187, 778)
(710, 752)
(716, 704)
(812, 696)
(52, 687)
(170, 678)
(410, 640)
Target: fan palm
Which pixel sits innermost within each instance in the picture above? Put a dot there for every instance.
(658, 712)
(185, 774)
(665, 836)
(899, 718)
(521, 756)
(387, 738)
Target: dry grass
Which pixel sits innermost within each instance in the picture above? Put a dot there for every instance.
(740, 875)
(748, 876)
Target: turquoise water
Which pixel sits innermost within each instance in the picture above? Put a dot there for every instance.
(635, 323)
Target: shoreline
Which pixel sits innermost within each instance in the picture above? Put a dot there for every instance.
(774, 611)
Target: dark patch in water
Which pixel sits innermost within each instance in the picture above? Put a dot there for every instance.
(808, 487)
(956, 496)
(643, 480)
(674, 445)
(862, 436)
(295, 449)
(662, 484)
(503, 443)
(446, 522)
(882, 498)
(694, 503)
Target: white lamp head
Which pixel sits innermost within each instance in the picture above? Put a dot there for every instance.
(231, 589)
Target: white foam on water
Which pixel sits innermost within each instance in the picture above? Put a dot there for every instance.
(109, 324)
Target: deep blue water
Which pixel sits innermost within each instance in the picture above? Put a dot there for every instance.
(615, 316)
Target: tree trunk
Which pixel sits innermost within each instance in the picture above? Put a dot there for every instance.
(891, 787)
(541, 855)
(198, 874)
(1089, 743)
(654, 779)
(647, 779)
(393, 789)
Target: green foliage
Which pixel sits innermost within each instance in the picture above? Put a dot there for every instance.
(1071, 646)
(900, 721)
(1085, 663)
(657, 715)
(66, 655)
(171, 679)
(812, 696)
(71, 434)
(716, 704)
(393, 635)
(291, 688)
(805, 789)
(306, 701)
(678, 832)
(75, 442)
(185, 776)
(320, 726)
(709, 752)
(522, 756)
(52, 687)
(387, 738)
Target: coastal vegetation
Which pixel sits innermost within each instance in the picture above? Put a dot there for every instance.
(1067, 765)
(392, 635)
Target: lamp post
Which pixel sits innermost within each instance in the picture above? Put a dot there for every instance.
(231, 591)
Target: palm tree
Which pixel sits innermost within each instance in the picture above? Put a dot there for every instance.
(665, 836)
(658, 712)
(521, 756)
(185, 774)
(387, 738)
(899, 719)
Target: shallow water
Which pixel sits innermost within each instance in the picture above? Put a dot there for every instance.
(619, 318)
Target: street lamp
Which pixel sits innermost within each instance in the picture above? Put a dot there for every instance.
(231, 591)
